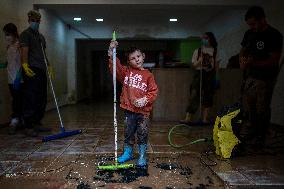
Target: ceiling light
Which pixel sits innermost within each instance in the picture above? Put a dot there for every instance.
(99, 19)
(173, 20)
(77, 19)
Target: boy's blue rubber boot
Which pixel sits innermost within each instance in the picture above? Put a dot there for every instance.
(141, 162)
(127, 154)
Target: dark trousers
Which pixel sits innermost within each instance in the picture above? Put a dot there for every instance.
(34, 97)
(135, 124)
(207, 91)
(16, 101)
(256, 98)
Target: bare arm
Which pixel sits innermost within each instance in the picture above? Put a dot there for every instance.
(24, 54)
(244, 60)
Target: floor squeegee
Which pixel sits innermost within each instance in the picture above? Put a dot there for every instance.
(63, 133)
(115, 166)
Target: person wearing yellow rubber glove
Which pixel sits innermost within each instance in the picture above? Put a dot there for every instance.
(28, 71)
(33, 45)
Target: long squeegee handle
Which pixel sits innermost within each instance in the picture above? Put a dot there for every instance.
(114, 98)
(52, 89)
(113, 36)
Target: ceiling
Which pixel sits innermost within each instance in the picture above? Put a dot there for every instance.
(127, 15)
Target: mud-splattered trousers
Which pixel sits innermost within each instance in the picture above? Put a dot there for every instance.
(135, 124)
(256, 98)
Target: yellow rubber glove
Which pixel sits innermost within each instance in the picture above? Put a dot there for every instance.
(50, 71)
(28, 71)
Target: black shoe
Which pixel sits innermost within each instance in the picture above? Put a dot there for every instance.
(13, 126)
(258, 144)
(239, 150)
(184, 121)
(31, 132)
(42, 129)
(12, 130)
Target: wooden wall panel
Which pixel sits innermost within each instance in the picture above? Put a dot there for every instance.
(174, 86)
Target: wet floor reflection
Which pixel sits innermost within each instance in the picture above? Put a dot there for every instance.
(72, 162)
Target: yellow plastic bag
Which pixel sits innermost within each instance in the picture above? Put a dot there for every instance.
(224, 138)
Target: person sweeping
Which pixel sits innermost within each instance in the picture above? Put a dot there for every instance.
(139, 92)
(205, 61)
(34, 75)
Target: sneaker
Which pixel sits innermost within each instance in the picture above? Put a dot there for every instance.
(13, 126)
(14, 122)
(12, 130)
(40, 128)
(44, 129)
(187, 120)
(259, 142)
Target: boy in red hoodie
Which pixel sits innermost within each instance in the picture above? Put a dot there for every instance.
(138, 95)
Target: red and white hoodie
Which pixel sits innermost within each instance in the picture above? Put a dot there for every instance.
(136, 84)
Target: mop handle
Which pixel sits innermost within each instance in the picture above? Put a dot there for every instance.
(52, 89)
(200, 90)
(114, 97)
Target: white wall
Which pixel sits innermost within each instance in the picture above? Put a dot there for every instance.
(170, 2)
(72, 35)
(172, 30)
(228, 28)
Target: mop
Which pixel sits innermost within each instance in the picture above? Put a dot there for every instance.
(116, 166)
(199, 123)
(63, 132)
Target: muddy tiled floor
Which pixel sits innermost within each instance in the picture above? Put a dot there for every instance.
(71, 162)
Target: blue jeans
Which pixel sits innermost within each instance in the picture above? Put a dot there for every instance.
(135, 123)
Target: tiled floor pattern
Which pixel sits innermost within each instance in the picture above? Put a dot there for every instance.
(72, 162)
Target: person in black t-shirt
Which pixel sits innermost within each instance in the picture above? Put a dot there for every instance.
(259, 57)
(33, 46)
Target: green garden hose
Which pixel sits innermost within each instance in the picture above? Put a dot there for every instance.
(182, 134)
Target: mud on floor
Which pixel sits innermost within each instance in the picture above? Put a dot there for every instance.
(163, 171)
